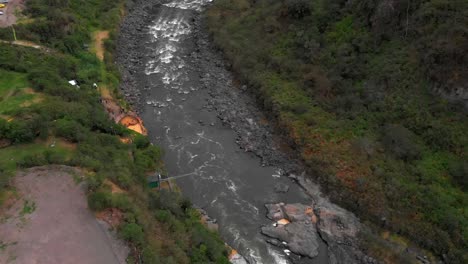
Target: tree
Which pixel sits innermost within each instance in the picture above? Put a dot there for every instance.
(133, 232)
(401, 142)
(298, 8)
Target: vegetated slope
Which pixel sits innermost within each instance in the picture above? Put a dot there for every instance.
(69, 125)
(350, 83)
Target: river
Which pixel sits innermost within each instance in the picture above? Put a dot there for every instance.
(207, 126)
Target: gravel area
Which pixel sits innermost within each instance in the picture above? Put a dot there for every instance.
(51, 223)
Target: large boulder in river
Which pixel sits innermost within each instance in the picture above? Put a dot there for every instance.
(275, 211)
(293, 212)
(298, 212)
(302, 237)
(335, 225)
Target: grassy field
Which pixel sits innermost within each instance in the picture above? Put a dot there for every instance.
(13, 156)
(10, 81)
(15, 92)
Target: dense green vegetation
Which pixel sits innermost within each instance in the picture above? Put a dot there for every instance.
(350, 83)
(44, 120)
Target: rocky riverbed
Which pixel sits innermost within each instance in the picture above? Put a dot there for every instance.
(181, 85)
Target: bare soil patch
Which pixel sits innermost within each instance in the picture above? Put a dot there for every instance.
(99, 38)
(51, 223)
(134, 123)
(112, 216)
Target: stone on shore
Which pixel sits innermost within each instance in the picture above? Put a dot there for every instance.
(335, 226)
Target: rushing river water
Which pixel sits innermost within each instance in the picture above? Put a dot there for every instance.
(230, 184)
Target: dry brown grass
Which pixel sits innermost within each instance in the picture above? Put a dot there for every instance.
(114, 187)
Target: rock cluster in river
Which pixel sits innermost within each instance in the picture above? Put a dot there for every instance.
(300, 234)
(130, 55)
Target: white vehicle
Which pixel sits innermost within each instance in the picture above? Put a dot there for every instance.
(1, 13)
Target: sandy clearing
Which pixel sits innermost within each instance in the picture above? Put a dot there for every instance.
(60, 229)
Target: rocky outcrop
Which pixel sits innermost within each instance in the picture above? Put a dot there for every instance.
(299, 228)
(210, 223)
(301, 237)
(236, 258)
(334, 227)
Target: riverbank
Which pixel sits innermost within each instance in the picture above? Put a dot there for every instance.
(353, 103)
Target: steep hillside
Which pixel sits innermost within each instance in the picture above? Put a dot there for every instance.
(46, 120)
(355, 87)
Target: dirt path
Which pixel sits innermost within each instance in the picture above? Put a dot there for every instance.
(99, 38)
(52, 223)
(29, 44)
(127, 118)
(9, 16)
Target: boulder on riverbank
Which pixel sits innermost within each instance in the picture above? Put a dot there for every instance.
(299, 232)
(306, 224)
(301, 237)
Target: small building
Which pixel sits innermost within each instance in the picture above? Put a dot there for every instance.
(154, 181)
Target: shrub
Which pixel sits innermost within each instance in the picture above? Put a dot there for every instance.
(53, 157)
(31, 161)
(298, 8)
(70, 130)
(100, 200)
(19, 132)
(459, 172)
(150, 256)
(166, 200)
(401, 142)
(141, 141)
(163, 216)
(439, 137)
(133, 233)
(122, 202)
(43, 79)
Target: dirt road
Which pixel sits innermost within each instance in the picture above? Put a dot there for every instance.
(9, 17)
(51, 223)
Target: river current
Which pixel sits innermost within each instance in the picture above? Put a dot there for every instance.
(232, 185)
